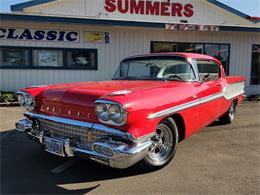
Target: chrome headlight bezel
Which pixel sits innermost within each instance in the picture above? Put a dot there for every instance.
(26, 100)
(116, 113)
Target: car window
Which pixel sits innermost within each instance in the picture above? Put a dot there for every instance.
(208, 70)
(183, 70)
(156, 68)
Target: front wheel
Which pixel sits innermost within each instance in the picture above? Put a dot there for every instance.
(229, 116)
(164, 146)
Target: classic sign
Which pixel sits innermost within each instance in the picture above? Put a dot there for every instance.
(149, 8)
(153, 102)
(39, 35)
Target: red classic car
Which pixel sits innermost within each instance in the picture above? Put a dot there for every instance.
(153, 102)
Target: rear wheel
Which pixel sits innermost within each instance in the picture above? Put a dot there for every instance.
(164, 146)
(229, 116)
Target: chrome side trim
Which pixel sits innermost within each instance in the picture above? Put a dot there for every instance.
(229, 92)
(184, 106)
(233, 90)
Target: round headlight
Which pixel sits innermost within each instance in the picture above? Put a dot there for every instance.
(29, 101)
(111, 113)
(21, 99)
(26, 100)
(115, 113)
(102, 112)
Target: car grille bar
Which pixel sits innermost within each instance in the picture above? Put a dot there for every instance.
(82, 135)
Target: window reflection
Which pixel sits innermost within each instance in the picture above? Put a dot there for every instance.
(14, 57)
(255, 66)
(219, 51)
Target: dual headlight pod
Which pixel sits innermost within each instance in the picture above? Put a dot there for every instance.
(26, 100)
(109, 112)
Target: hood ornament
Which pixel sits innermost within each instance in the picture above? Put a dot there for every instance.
(120, 92)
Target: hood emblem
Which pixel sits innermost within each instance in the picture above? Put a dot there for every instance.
(69, 112)
(78, 114)
(120, 92)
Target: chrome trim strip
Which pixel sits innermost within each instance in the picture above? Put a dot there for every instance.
(234, 89)
(60, 120)
(228, 93)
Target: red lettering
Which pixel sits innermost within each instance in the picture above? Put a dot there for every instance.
(120, 6)
(136, 8)
(177, 9)
(165, 9)
(110, 5)
(149, 7)
(188, 10)
(152, 8)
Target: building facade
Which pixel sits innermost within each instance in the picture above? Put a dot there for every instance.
(57, 41)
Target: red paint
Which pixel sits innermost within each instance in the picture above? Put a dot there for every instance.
(137, 7)
(177, 9)
(152, 8)
(165, 9)
(149, 8)
(123, 6)
(147, 97)
(110, 5)
(188, 10)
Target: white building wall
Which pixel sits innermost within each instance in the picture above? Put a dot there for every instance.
(204, 12)
(123, 42)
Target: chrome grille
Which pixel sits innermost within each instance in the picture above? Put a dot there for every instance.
(82, 135)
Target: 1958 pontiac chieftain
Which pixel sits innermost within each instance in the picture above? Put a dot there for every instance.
(153, 102)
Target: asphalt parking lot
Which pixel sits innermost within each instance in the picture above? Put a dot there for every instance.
(218, 160)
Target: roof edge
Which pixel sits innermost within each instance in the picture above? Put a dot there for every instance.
(105, 22)
(21, 6)
(230, 9)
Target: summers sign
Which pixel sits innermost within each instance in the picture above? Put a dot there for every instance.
(142, 7)
(38, 35)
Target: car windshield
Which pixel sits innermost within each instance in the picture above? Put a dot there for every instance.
(155, 68)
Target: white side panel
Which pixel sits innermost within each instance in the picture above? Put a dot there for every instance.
(123, 42)
(204, 12)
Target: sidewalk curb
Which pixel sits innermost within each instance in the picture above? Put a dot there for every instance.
(7, 104)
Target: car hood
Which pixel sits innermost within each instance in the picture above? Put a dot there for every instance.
(76, 100)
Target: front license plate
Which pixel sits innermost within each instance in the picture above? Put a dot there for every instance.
(54, 146)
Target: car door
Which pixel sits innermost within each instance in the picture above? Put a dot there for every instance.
(209, 91)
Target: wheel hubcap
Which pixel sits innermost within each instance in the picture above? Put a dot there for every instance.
(162, 144)
(232, 111)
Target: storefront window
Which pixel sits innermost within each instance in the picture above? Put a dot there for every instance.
(13, 57)
(47, 58)
(84, 58)
(190, 47)
(219, 51)
(163, 47)
(255, 66)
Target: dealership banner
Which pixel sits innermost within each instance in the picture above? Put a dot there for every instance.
(39, 35)
(191, 27)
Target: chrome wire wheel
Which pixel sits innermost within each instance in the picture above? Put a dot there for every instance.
(162, 144)
(232, 111)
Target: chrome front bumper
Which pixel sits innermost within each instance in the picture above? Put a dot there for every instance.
(120, 150)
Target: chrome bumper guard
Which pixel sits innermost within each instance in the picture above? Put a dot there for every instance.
(118, 154)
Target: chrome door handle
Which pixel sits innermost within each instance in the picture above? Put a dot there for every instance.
(194, 96)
